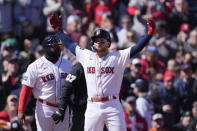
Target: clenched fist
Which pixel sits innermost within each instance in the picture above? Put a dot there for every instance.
(58, 116)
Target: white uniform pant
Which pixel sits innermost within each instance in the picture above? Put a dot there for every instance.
(44, 121)
(109, 113)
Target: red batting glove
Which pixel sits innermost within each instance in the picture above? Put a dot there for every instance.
(151, 27)
(55, 23)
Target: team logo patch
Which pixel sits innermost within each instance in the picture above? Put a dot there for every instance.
(25, 78)
(98, 32)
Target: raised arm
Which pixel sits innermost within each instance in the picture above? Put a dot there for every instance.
(66, 41)
(144, 41)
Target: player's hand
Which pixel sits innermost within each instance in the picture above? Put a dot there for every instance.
(55, 23)
(58, 116)
(151, 27)
(21, 118)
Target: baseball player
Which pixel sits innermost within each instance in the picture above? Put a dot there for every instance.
(103, 71)
(44, 77)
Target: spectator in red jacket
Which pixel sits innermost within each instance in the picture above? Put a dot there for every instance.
(10, 111)
(102, 7)
(133, 120)
(9, 114)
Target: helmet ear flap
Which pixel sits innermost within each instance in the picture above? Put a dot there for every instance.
(109, 44)
(91, 43)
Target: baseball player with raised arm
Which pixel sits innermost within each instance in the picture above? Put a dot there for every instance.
(44, 77)
(104, 72)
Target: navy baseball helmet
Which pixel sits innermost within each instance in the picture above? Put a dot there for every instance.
(50, 40)
(52, 47)
(101, 33)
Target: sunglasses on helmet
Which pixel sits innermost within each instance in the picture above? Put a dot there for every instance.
(59, 46)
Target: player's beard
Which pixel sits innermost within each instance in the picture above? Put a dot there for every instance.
(52, 55)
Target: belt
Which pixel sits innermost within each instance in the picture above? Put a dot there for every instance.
(48, 103)
(97, 99)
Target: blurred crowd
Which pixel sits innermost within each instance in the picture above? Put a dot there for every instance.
(159, 88)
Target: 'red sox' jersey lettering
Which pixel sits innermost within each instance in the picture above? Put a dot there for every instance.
(107, 70)
(63, 75)
(91, 70)
(104, 70)
(48, 77)
(52, 77)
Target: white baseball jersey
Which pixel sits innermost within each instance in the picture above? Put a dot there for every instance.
(103, 75)
(46, 78)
